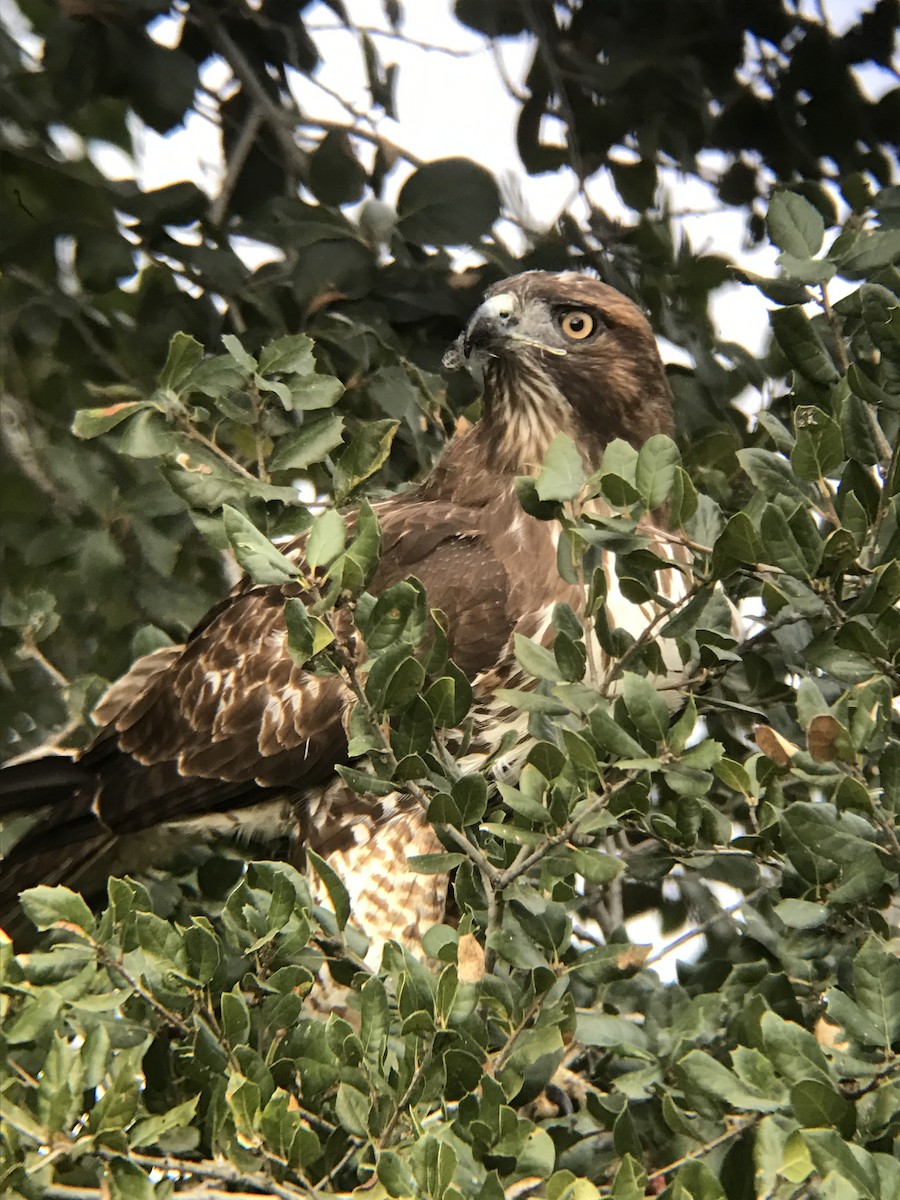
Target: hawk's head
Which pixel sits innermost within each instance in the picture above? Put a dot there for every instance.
(564, 353)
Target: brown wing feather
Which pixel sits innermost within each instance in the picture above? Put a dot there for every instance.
(199, 728)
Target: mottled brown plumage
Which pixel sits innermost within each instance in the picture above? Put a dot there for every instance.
(226, 734)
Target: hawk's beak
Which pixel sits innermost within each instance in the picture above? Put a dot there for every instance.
(494, 327)
(490, 325)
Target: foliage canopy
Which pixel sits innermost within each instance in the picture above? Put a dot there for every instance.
(161, 400)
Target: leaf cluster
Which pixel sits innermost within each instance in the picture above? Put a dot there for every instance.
(170, 411)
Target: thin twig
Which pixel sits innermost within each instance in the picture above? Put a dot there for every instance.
(279, 119)
(450, 51)
(835, 326)
(376, 139)
(701, 1152)
(196, 436)
(698, 930)
(236, 162)
(402, 1104)
(30, 650)
(206, 1169)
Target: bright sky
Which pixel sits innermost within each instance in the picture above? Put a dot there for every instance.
(457, 104)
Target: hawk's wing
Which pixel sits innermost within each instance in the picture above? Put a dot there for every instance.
(228, 718)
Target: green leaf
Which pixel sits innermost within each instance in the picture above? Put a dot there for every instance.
(531, 702)
(308, 445)
(819, 448)
(858, 424)
(395, 678)
(356, 567)
(185, 353)
(802, 346)
(352, 1110)
(562, 475)
(450, 202)
(806, 270)
(597, 867)
(801, 914)
(876, 988)
(216, 376)
(630, 1182)
(307, 635)
(570, 656)
(870, 250)
(435, 864)
(235, 1018)
(695, 1181)
(47, 906)
(91, 422)
(869, 391)
(364, 782)
(243, 1098)
(599, 1029)
(795, 225)
(645, 706)
(337, 893)
(610, 736)
(244, 361)
(700, 1070)
(368, 450)
(394, 1175)
(816, 1105)
(292, 354)
(657, 463)
(831, 1154)
(253, 550)
(149, 1131)
(537, 660)
(126, 1181)
(737, 543)
(309, 392)
(327, 538)
(794, 1051)
(399, 615)
(780, 547)
(771, 473)
(22, 1121)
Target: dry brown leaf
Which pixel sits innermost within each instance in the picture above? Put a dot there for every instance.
(775, 747)
(821, 737)
(632, 956)
(829, 1035)
(470, 959)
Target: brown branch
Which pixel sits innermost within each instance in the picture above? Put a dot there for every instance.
(115, 964)
(834, 324)
(701, 1152)
(403, 1102)
(196, 436)
(206, 1169)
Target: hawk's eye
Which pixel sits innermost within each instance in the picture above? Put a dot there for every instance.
(577, 324)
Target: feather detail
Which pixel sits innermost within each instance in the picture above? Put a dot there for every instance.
(226, 735)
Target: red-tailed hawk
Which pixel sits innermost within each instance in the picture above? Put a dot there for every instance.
(226, 734)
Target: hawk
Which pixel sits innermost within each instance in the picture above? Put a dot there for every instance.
(226, 734)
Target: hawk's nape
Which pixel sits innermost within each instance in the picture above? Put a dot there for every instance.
(227, 736)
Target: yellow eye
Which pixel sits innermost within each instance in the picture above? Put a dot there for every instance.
(577, 324)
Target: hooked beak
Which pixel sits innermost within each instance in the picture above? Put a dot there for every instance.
(490, 325)
(493, 328)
